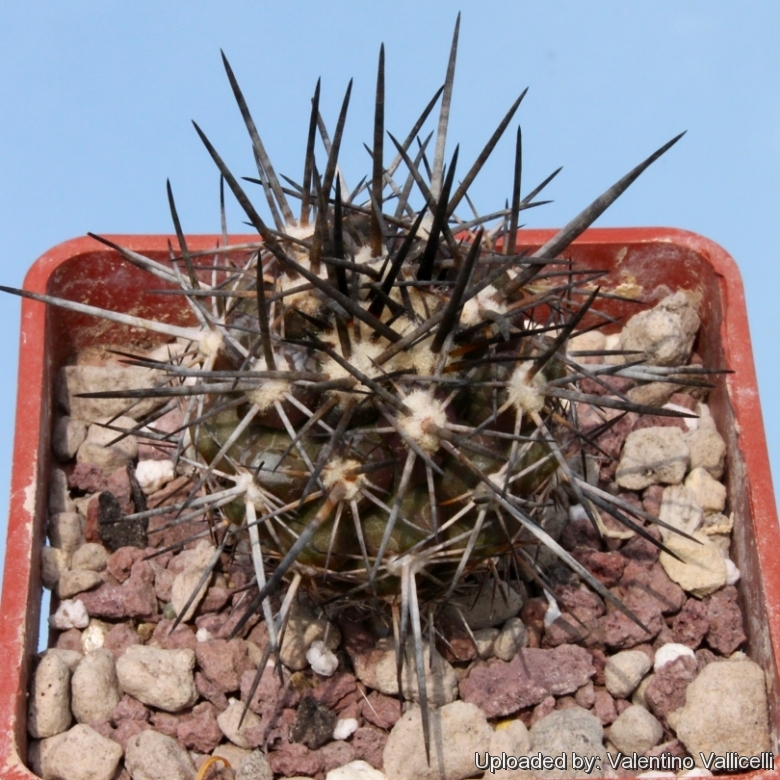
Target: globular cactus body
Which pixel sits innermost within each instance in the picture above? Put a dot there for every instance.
(383, 401)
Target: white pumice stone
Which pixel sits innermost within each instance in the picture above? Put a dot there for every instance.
(70, 614)
(669, 652)
(154, 474)
(733, 574)
(345, 728)
(323, 660)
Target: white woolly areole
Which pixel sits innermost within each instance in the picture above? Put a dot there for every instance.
(252, 492)
(210, 344)
(418, 357)
(299, 231)
(307, 301)
(363, 359)
(669, 652)
(270, 391)
(424, 410)
(341, 471)
(524, 392)
(363, 257)
(474, 309)
(323, 661)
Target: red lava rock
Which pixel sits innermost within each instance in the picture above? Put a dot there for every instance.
(664, 637)
(578, 624)
(604, 706)
(86, 477)
(690, 623)
(666, 691)
(166, 723)
(599, 658)
(607, 385)
(182, 636)
(273, 729)
(336, 754)
(585, 696)
(606, 567)
(70, 640)
(566, 630)
(127, 729)
(120, 563)
(215, 599)
(104, 728)
(209, 691)
(619, 632)
(630, 497)
(134, 598)
(120, 637)
(162, 534)
(351, 710)
(295, 759)
(356, 639)
(621, 705)
(458, 647)
(609, 437)
(369, 745)
(580, 533)
(129, 708)
(647, 650)
(581, 603)
(91, 533)
(704, 656)
(642, 550)
(383, 711)
(118, 483)
(221, 626)
(725, 621)
(652, 498)
(543, 709)
(198, 730)
(269, 692)
(532, 614)
(500, 688)
(163, 582)
(641, 582)
(331, 690)
(150, 449)
(223, 662)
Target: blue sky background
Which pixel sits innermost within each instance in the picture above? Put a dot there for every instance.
(97, 99)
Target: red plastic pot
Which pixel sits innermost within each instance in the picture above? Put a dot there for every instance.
(646, 263)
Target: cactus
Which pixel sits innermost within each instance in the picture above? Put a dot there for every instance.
(380, 397)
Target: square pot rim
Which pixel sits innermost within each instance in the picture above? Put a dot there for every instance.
(29, 456)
